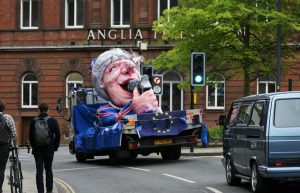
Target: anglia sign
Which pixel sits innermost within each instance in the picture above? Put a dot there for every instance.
(157, 84)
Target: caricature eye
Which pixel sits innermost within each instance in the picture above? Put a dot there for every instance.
(113, 68)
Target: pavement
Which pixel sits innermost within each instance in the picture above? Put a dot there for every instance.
(29, 185)
(59, 186)
(202, 151)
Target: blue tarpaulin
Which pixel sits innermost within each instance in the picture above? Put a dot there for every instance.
(90, 137)
(204, 135)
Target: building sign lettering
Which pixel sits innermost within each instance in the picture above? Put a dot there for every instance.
(113, 34)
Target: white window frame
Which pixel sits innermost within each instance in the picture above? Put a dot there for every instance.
(30, 16)
(121, 15)
(75, 82)
(75, 26)
(31, 82)
(158, 9)
(215, 107)
(266, 82)
(171, 91)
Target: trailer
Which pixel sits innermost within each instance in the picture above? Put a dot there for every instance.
(163, 133)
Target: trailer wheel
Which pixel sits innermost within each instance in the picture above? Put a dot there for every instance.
(80, 157)
(113, 157)
(133, 155)
(171, 153)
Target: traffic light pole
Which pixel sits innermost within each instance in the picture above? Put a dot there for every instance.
(192, 107)
(192, 97)
(278, 49)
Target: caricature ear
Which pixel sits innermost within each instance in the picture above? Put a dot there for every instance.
(101, 84)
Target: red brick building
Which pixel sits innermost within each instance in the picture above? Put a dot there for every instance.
(46, 47)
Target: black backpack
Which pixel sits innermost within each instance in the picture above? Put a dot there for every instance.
(4, 130)
(42, 132)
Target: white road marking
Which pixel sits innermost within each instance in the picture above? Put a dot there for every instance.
(179, 178)
(71, 169)
(213, 189)
(134, 168)
(200, 157)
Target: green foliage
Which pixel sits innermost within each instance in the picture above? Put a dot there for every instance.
(215, 132)
(238, 36)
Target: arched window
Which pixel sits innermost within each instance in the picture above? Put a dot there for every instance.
(172, 97)
(215, 94)
(73, 82)
(29, 91)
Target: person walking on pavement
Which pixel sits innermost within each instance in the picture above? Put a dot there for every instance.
(44, 137)
(7, 138)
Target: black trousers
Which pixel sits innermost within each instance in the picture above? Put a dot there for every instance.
(42, 162)
(3, 161)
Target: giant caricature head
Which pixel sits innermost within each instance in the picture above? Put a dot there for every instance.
(111, 73)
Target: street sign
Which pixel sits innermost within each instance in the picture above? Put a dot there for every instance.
(157, 84)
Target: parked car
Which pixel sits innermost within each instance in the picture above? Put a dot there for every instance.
(262, 139)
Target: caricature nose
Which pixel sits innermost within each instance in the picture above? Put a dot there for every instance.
(127, 68)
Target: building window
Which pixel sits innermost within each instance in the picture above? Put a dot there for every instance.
(172, 97)
(215, 95)
(120, 13)
(265, 86)
(29, 91)
(73, 82)
(165, 4)
(74, 13)
(29, 14)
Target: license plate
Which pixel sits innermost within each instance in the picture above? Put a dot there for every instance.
(163, 141)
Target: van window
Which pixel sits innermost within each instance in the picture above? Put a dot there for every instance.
(287, 113)
(244, 115)
(257, 113)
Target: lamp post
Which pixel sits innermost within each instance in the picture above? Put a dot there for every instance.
(278, 48)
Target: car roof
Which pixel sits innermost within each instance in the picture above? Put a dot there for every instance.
(267, 96)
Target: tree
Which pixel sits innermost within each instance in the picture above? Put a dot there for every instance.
(238, 36)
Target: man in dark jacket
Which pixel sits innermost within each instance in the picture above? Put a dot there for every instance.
(7, 136)
(43, 155)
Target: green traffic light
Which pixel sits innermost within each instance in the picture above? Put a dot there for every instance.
(198, 78)
(198, 68)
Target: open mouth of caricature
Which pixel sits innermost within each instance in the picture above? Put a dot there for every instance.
(129, 85)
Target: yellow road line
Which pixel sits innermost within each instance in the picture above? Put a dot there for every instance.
(64, 185)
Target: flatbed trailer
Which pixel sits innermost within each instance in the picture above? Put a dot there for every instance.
(169, 131)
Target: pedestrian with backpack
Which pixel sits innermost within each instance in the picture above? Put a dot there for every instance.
(7, 139)
(44, 137)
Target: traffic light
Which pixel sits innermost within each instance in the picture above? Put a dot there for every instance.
(157, 84)
(147, 70)
(198, 69)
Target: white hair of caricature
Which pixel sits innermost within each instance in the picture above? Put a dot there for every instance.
(106, 59)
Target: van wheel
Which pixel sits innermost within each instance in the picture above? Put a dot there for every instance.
(231, 179)
(80, 157)
(257, 182)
